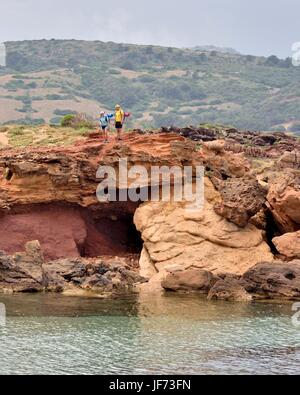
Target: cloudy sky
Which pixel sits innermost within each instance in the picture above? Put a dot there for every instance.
(261, 27)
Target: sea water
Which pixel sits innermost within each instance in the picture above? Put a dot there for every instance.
(150, 334)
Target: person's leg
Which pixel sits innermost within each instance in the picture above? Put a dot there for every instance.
(120, 133)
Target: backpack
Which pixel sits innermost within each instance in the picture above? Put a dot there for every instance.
(104, 121)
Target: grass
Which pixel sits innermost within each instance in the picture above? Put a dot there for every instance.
(44, 135)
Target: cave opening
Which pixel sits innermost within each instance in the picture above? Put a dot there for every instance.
(110, 232)
(68, 230)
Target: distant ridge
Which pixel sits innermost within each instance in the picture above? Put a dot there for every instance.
(231, 51)
(161, 86)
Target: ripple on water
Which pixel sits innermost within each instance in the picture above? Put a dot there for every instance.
(52, 334)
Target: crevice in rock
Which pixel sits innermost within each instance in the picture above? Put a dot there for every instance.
(272, 231)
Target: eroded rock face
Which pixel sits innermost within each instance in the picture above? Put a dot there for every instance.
(283, 200)
(242, 199)
(28, 272)
(289, 160)
(68, 174)
(271, 280)
(69, 230)
(274, 280)
(221, 163)
(251, 143)
(49, 194)
(200, 239)
(23, 271)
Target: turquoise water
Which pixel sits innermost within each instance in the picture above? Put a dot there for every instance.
(171, 334)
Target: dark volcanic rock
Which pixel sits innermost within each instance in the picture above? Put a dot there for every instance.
(275, 280)
(22, 272)
(242, 199)
(27, 272)
(278, 280)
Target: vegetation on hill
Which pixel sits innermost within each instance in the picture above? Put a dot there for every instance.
(45, 80)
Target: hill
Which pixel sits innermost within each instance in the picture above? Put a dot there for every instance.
(215, 48)
(45, 79)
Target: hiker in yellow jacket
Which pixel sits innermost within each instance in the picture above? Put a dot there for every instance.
(119, 120)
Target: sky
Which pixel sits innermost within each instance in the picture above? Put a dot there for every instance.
(258, 27)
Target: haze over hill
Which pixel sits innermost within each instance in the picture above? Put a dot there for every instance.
(46, 79)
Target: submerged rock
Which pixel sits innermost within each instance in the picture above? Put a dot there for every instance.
(229, 289)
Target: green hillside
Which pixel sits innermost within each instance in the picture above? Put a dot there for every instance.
(44, 80)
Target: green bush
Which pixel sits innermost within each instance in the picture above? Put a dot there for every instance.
(67, 120)
(77, 121)
(114, 72)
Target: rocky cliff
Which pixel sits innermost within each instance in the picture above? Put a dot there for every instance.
(249, 223)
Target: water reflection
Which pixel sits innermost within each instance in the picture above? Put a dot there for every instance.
(169, 333)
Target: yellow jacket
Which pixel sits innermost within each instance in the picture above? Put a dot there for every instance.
(119, 116)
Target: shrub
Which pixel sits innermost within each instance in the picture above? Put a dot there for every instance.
(67, 120)
(114, 72)
(77, 121)
(31, 85)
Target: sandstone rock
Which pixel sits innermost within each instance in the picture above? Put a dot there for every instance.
(223, 164)
(68, 174)
(60, 231)
(283, 200)
(289, 160)
(192, 279)
(229, 289)
(277, 280)
(201, 238)
(218, 146)
(288, 244)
